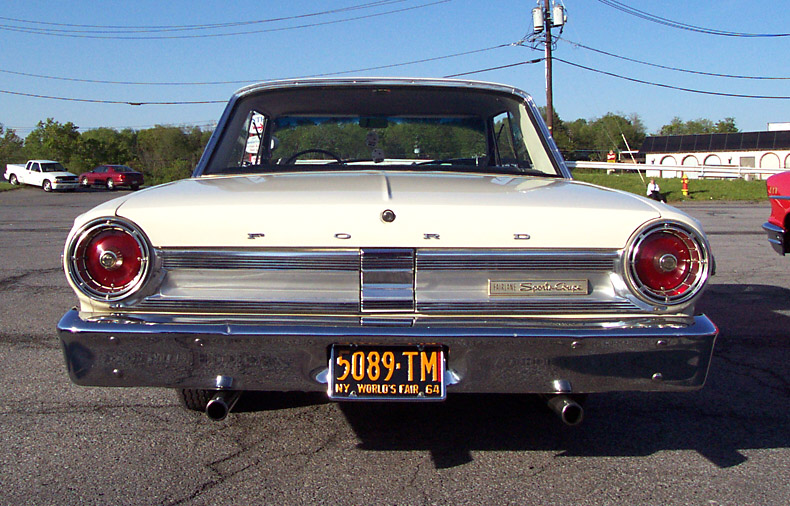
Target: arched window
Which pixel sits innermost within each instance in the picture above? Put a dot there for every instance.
(668, 160)
(691, 161)
(769, 161)
(712, 160)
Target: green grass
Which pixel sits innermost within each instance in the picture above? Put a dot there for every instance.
(6, 186)
(699, 189)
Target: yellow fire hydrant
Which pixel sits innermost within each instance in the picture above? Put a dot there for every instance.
(685, 185)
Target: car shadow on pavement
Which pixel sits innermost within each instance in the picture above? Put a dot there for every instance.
(743, 405)
(269, 401)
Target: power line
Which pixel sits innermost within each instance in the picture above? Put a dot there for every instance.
(676, 69)
(57, 33)
(249, 81)
(683, 26)
(669, 86)
(123, 102)
(536, 60)
(165, 28)
(139, 103)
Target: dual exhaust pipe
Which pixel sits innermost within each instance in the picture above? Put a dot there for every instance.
(570, 412)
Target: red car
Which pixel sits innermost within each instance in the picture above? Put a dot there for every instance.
(778, 223)
(112, 176)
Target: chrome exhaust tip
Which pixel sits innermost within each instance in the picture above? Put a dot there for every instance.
(219, 406)
(569, 411)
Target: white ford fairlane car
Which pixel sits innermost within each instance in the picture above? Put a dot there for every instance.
(387, 240)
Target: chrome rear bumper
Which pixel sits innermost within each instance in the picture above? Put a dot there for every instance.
(651, 354)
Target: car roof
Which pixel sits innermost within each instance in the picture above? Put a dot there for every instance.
(378, 81)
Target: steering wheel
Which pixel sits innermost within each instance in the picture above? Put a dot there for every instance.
(291, 159)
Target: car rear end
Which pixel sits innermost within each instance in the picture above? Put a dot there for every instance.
(433, 244)
(130, 179)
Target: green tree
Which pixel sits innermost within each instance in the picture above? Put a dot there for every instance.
(103, 146)
(167, 152)
(592, 139)
(726, 126)
(698, 126)
(609, 130)
(11, 147)
(53, 140)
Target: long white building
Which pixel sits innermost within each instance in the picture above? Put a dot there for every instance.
(755, 150)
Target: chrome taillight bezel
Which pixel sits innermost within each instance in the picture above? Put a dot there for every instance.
(699, 254)
(78, 272)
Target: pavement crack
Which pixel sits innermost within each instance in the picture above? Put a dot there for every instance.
(11, 283)
(783, 386)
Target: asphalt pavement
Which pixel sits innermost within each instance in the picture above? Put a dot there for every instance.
(61, 444)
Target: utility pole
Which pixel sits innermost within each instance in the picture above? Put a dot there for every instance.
(549, 91)
(544, 18)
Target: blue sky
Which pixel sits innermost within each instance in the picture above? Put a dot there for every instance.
(423, 29)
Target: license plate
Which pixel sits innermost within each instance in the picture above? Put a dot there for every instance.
(414, 373)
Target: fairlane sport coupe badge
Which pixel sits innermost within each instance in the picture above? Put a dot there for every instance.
(539, 287)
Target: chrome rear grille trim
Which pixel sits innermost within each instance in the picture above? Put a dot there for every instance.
(460, 308)
(349, 260)
(516, 260)
(387, 279)
(529, 307)
(517, 265)
(341, 260)
(220, 306)
(379, 282)
(383, 305)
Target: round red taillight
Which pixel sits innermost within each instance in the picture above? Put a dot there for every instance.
(667, 264)
(112, 260)
(108, 260)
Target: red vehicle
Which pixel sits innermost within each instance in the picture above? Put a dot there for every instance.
(778, 223)
(112, 176)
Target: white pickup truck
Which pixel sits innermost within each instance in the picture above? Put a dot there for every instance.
(47, 174)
